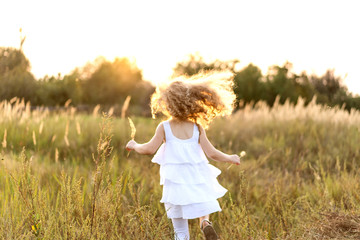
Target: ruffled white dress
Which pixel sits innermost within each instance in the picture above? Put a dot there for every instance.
(190, 187)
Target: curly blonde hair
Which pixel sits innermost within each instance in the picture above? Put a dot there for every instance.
(199, 98)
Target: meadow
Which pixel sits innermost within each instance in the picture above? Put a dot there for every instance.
(66, 175)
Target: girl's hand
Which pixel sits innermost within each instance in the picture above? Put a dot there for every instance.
(235, 159)
(130, 145)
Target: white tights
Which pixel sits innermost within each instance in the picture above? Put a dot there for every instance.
(181, 228)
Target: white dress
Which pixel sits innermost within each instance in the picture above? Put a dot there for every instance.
(190, 187)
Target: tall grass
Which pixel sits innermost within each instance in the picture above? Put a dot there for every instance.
(66, 175)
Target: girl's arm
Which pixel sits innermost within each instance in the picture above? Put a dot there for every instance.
(215, 154)
(151, 146)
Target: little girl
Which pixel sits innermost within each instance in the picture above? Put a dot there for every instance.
(190, 187)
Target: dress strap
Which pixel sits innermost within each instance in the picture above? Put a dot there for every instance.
(196, 133)
(169, 134)
(167, 129)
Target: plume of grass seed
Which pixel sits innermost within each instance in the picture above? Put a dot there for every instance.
(78, 129)
(41, 127)
(14, 99)
(111, 111)
(125, 106)
(34, 138)
(53, 138)
(4, 143)
(56, 155)
(96, 110)
(133, 131)
(67, 103)
(66, 134)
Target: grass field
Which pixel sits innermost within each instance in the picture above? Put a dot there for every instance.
(67, 175)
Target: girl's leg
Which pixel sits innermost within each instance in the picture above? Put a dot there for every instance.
(181, 228)
(204, 223)
(207, 228)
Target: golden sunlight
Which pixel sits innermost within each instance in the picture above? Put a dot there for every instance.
(63, 35)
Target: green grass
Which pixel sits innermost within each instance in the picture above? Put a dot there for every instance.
(299, 180)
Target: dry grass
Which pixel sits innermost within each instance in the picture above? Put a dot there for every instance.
(299, 179)
(335, 225)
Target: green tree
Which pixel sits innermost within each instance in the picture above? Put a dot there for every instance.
(331, 91)
(111, 82)
(195, 63)
(15, 77)
(52, 91)
(304, 87)
(248, 85)
(328, 86)
(288, 85)
(281, 83)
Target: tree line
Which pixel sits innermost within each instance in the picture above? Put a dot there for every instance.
(251, 86)
(109, 83)
(100, 82)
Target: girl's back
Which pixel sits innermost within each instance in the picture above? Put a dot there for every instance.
(182, 129)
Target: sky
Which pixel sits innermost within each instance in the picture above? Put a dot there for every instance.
(62, 35)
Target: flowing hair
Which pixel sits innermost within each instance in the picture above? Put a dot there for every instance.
(199, 98)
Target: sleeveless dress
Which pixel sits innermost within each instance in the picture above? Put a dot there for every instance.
(190, 187)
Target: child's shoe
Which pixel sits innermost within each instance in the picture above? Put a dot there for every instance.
(209, 231)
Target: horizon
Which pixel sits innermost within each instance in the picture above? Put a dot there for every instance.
(155, 36)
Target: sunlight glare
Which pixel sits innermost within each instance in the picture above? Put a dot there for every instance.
(63, 35)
